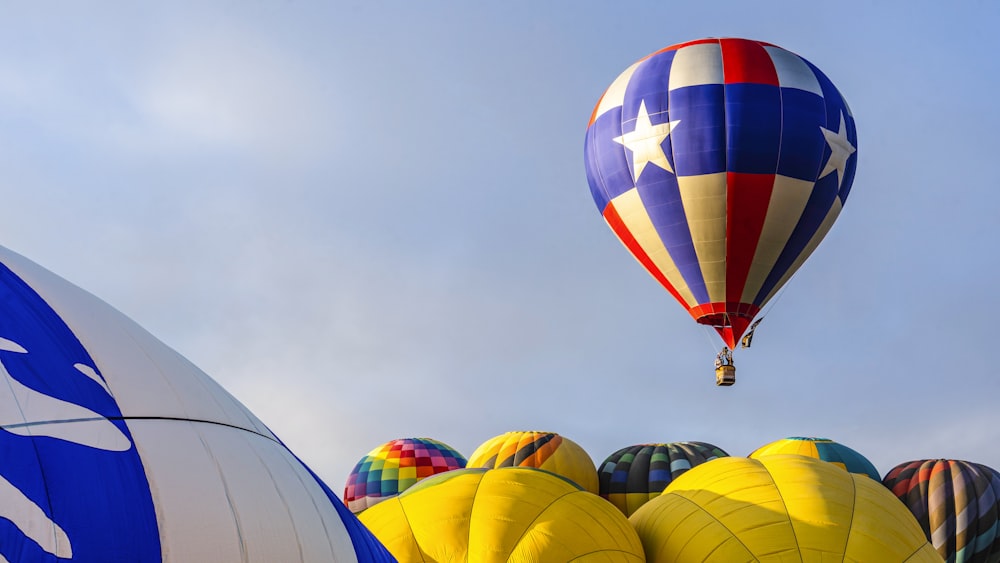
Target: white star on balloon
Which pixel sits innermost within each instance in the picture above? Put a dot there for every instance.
(840, 150)
(646, 142)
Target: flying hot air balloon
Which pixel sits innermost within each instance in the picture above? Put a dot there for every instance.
(721, 164)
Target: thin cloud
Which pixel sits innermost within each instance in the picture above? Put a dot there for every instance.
(227, 92)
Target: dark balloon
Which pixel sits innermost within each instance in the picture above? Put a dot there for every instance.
(632, 476)
(957, 503)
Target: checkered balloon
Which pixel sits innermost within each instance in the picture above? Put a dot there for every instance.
(395, 466)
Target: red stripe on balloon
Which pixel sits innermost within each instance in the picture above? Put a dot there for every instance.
(747, 61)
(747, 200)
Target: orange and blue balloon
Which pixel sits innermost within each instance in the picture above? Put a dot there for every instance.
(721, 164)
(541, 450)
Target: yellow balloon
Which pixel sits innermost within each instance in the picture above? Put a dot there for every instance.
(778, 508)
(542, 450)
(500, 515)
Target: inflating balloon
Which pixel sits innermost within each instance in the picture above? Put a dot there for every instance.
(721, 164)
(778, 508)
(395, 466)
(499, 515)
(116, 448)
(544, 450)
(957, 503)
(632, 476)
(820, 448)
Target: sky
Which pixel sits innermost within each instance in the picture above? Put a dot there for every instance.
(371, 220)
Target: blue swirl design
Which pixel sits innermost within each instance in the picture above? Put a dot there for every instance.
(71, 481)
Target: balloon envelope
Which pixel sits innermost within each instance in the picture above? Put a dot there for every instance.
(957, 503)
(116, 448)
(495, 515)
(543, 450)
(780, 508)
(394, 467)
(820, 448)
(632, 476)
(721, 164)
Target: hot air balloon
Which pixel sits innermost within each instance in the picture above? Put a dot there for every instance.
(116, 448)
(778, 508)
(633, 475)
(544, 450)
(395, 466)
(957, 503)
(497, 515)
(820, 448)
(721, 164)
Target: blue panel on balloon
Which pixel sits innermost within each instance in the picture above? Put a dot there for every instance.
(802, 141)
(648, 88)
(659, 476)
(836, 109)
(608, 162)
(698, 141)
(86, 479)
(753, 128)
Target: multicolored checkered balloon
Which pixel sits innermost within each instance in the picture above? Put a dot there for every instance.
(395, 466)
(721, 164)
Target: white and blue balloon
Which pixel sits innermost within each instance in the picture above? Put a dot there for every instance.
(116, 448)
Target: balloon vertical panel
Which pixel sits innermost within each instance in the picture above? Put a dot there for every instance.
(228, 487)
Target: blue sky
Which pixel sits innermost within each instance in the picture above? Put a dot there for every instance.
(370, 220)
